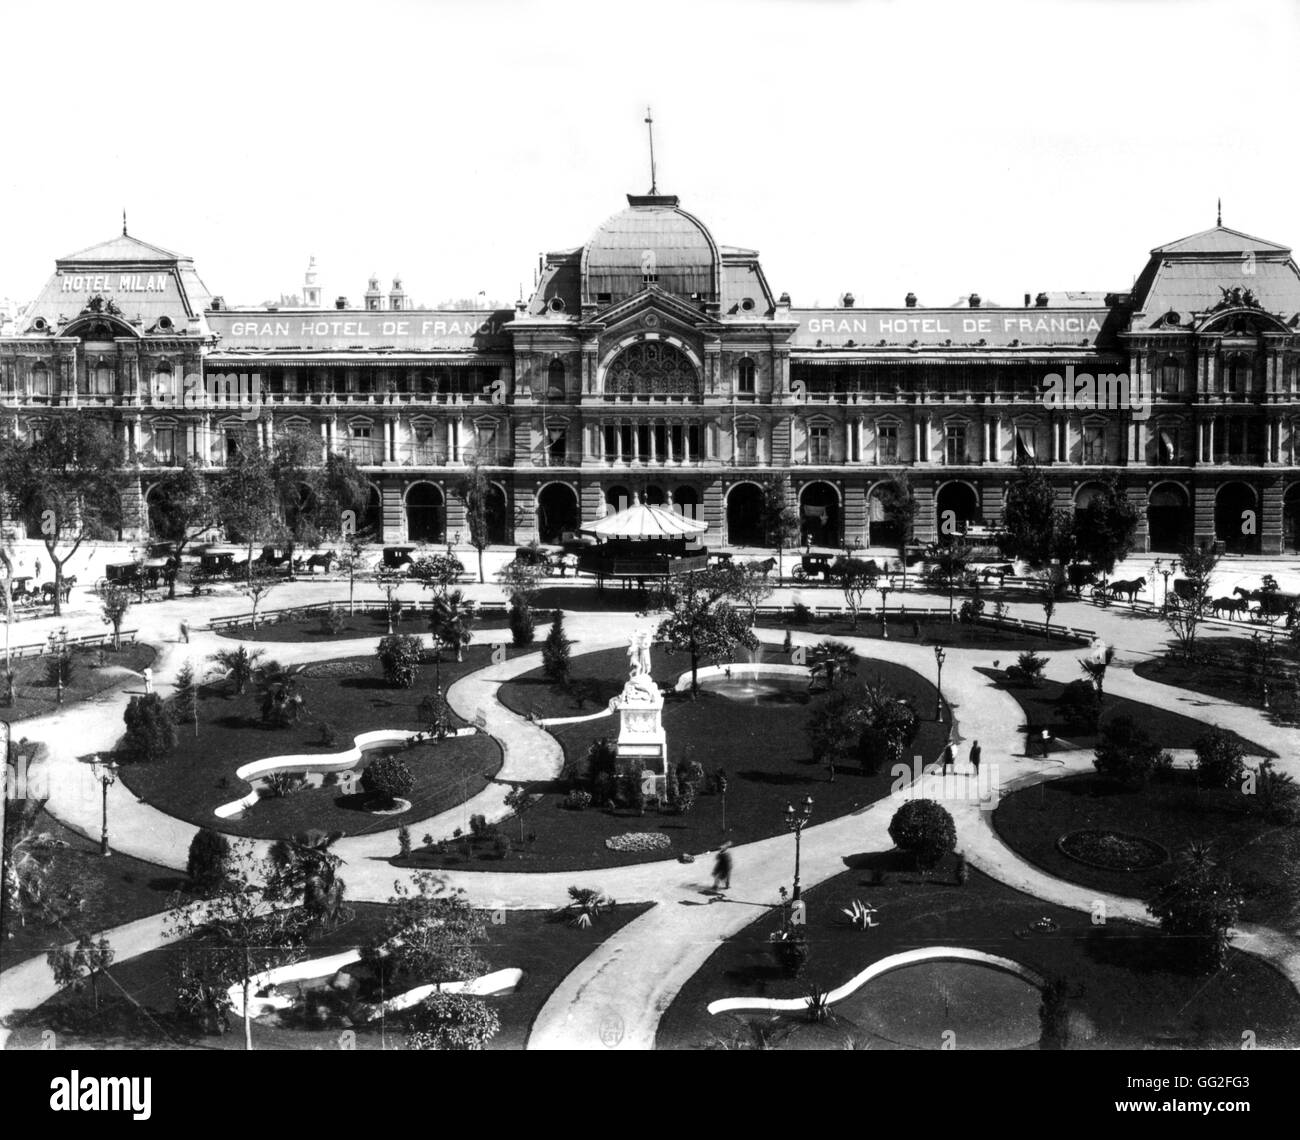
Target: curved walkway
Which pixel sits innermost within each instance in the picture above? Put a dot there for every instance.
(619, 991)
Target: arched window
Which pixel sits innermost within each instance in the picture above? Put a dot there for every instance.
(1170, 377)
(745, 377)
(652, 368)
(164, 384)
(102, 379)
(41, 381)
(1237, 375)
(555, 380)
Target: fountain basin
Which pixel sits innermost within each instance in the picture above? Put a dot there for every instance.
(754, 682)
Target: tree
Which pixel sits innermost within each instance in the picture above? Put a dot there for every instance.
(150, 729)
(208, 856)
(239, 665)
(1029, 668)
(85, 963)
(520, 620)
(1104, 529)
(702, 626)
(899, 507)
(387, 779)
(400, 655)
(890, 724)
(1033, 528)
(780, 519)
(432, 936)
(521, 581)
(389, 580)
(1126, 754)
(1079, 705)
(1190, 602)
(306, 870)
(246, 496)
(857, 578)
(460, 1022)
(1094, 669)
(834, 727)
(437, 572)
(474, 490)
(555, 653)
(925, 830)
(183, 506)
(352, 559)
(519, 799)
(64, 485)
(829, 660)
(114, 602)
(185, 697)
(1196, 907)
(282, 702)
(1047, 599)
(451, 621)
(949, 565)
(259, 585)
(29, 852)
(229, 938)
(1220, 758)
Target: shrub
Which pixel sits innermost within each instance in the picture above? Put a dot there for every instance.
(279, 784)
(925, 830)
(971, 611)
(1125, 754)
(685, 798)
(59, 663)
(185, 697)
(478, 826)
(791, 952)
(329, 737)
(1197, 906)
(386, 779)
(1277, 795)
(332, 621)
(577, 800)
(962, 873)
(150, 729)
(1220, 758)
(399, 654)
(601, 760)
(521, 624)
(404, 841)
(1079, 705)
(555, 652)
(501, 845)
(1031, 666)
(800, 614)
(452, 1022)
(206, 866)
(634, 793)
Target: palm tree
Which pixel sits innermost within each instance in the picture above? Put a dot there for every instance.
(450, 620)
(282, 703)
(238, 664)
(830, 659)
(1094, 668)
(304, 863)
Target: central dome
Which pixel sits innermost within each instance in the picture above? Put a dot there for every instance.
(652, 242)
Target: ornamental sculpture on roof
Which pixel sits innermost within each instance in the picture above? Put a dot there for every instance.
(101, 304)
(1236, 297)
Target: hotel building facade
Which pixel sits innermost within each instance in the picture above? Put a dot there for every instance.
(653, 361)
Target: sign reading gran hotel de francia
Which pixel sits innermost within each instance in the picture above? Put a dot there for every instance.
(653, 361)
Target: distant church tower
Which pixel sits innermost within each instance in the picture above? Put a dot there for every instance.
(374, 298)
(310, 290)
(397, 298)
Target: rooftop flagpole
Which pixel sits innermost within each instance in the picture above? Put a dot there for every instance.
(650, 125)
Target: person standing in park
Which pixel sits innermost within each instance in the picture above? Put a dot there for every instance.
(148, 681)
(1047, 741)
(185, 632)
(722, 868)
(975, 756)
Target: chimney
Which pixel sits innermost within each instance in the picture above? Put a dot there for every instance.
(848, 300)
(1026, 300)
(974, 300)
(341, 303)
(1041, 300)
(783, 302)
(218, 303)
(910, 300)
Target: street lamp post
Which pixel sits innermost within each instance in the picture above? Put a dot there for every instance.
(796, 821)
(939, 656)
(106, 774)
(885, 591)
(59, 651)
(1165, 571)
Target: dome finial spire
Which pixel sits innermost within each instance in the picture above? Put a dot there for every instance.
(650, 125)
(1219, 222)
(124, 221)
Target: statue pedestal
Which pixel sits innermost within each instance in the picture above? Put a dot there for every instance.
(642, 743)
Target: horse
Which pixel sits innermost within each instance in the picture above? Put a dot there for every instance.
(764, 566)
(1130, 588)
(1229, 604)
(48, 590)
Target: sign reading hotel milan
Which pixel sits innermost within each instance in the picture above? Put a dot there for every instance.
(109, 283)
(961, 326)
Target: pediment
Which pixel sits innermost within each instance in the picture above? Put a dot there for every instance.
(651, 309)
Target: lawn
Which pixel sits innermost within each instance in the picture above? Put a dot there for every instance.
(352, 697)
(112, 891)
(1170, 729)
(529, 940)
(926, 631)
(761, 746)
(311, 627)
(1229, 668)
(36, 695)
(1119, 976)
(1262, 857)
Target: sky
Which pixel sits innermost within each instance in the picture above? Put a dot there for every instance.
(872, 147)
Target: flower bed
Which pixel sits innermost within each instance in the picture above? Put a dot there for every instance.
(639, 841)
(1112, 850)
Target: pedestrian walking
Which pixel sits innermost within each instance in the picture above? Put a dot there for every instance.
(722, 868)
(945, 757)
(38, 571)
(1047, 742)
(975, 757)
(185, 632)
(148, 681)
